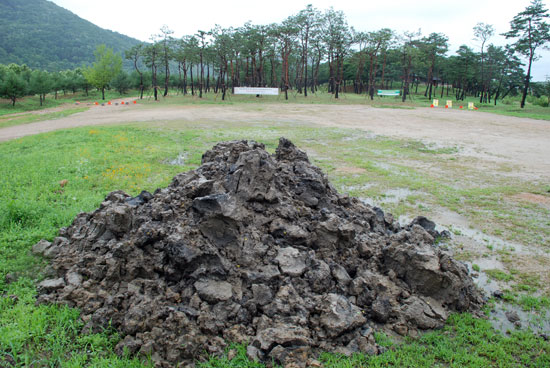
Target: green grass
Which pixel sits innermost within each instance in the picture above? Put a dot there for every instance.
(499, 275)
(10, 120)
(98, 160)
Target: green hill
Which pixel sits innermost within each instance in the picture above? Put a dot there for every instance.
(45, 36)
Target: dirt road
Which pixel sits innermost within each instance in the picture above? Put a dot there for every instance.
(522, 143)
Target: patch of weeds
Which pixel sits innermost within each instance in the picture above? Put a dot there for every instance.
(383, 340)
(464, 342)
(533, 303)
(464, 255)
(430, 148)
(499, 275)
(476, 268)
(454, 230)
(527, 302)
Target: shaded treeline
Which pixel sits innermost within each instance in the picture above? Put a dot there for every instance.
(314, 48)
(317, 49)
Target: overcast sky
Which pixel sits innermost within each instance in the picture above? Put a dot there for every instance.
(140, 18)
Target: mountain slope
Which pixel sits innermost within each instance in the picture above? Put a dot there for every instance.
(45, 36)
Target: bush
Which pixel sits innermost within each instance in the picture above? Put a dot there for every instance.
(122, 83)
(541, 101)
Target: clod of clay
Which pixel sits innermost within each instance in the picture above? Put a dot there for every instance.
(252, 247)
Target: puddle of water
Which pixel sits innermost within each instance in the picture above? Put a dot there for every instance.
(392, 196)
(534, 321)
(483, 281)
(384, 166)
(350, 188)
(457, 224)
(178, 161)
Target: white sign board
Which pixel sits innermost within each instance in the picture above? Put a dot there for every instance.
(256, 91)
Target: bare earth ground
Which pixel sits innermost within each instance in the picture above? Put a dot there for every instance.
(521, 144)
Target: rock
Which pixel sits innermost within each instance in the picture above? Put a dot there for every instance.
(498, 294)
(262, 294)
(10, 278)
(281, 334)
(512, 316)
(251, 247)
(140, 199)
(341, 275)
(291, 261)
(51, 284)
(41, 246)
(74, 279)
(428, 225)
(381, 309)
(253, 353)
(401, 329)
(119, 219)
(214, 291)
(339, 315)
(420, 313)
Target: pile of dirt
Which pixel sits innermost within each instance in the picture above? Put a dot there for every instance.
(252, 247)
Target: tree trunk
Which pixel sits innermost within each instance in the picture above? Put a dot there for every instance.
(184, 78)
(527, 80)
(192, 81)
(207, 78)
(201, 78)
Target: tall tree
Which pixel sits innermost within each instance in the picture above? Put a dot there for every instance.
(338, 39)
(40, 84)
(482, 33)
(151, 54)
(376, 41)
(134, 54)
(286, 33)
(105, 68)
(532, 32)
(166, 54)
(409, 52)
(202, 37)
(434, 46)
(308, 20)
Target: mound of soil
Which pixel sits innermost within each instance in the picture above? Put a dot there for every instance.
(252, 247)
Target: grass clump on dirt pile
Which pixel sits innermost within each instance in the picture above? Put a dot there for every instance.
(96, 161)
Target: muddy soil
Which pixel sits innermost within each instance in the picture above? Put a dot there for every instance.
(253, 247)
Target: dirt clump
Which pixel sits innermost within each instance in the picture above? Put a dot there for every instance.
(252, 247)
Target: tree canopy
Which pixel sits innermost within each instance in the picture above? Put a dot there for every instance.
(106, 67)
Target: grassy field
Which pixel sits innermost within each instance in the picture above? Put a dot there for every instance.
(398, 173)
